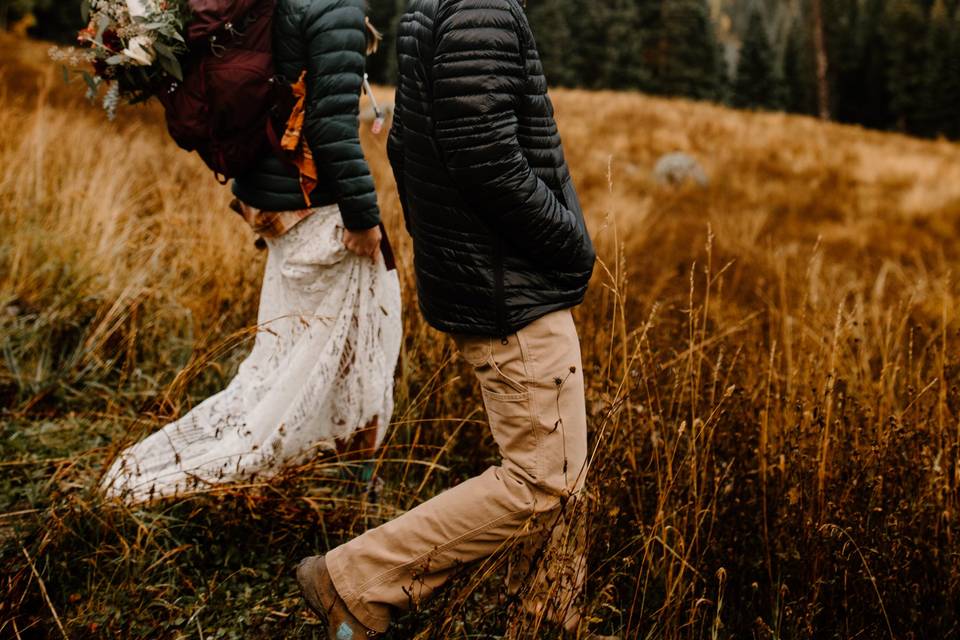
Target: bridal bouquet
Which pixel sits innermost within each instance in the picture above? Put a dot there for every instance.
(133, 47)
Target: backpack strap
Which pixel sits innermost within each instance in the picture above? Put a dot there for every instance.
(279, 117)
(275, 141)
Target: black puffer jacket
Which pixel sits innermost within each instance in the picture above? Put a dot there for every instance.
(327, 38)
(498, 233)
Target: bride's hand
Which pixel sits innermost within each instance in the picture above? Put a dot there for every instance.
(365, 244)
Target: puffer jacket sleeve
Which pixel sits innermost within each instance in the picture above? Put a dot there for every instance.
(336, 41)
(479, 76)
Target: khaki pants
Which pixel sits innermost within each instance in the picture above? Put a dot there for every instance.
(532, 384)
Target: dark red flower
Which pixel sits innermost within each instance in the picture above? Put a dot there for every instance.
(112, 41)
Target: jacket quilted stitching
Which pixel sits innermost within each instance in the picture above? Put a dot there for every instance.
(327, 39)
(498, 231)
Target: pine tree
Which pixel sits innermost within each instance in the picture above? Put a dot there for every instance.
(607, 44)
(57, 20)
(650, 31)
(800, 77)
(873, 71)
(905, 30)
(757, 82)
(841, 24)
(588, 54)
(688, 58)
(939, 97)
(952, 92)
(551, 28)
(626, 39)
(821, 56)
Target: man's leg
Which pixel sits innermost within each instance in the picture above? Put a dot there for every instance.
(532, 385)
(548, 571)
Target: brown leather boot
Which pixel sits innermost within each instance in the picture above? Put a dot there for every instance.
(323, 600)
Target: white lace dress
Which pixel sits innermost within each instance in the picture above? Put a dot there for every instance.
(322, 366)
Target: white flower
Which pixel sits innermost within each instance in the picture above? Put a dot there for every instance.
(140, 50)
(111, 99)
(139, 8)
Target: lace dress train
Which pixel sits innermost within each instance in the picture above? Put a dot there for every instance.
(321, 367)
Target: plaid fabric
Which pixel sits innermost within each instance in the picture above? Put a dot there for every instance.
(295, 143)
(270, 224)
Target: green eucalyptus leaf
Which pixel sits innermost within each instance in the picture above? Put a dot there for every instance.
(140, 98)
(172, 66)
(91, 83)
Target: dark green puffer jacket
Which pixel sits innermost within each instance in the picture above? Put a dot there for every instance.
(328, 39)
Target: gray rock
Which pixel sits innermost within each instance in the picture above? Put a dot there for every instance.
(677, 168)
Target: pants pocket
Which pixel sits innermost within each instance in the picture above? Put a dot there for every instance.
(514, 427)
(495, 382)
(502, 372)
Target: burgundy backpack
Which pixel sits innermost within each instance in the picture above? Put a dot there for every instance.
(229, 104)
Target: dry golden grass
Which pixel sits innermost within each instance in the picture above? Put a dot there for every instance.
(773, 390)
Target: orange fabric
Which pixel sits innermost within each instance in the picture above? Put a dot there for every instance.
(295, 143)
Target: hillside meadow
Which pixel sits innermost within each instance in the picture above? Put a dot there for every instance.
(773, 373)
